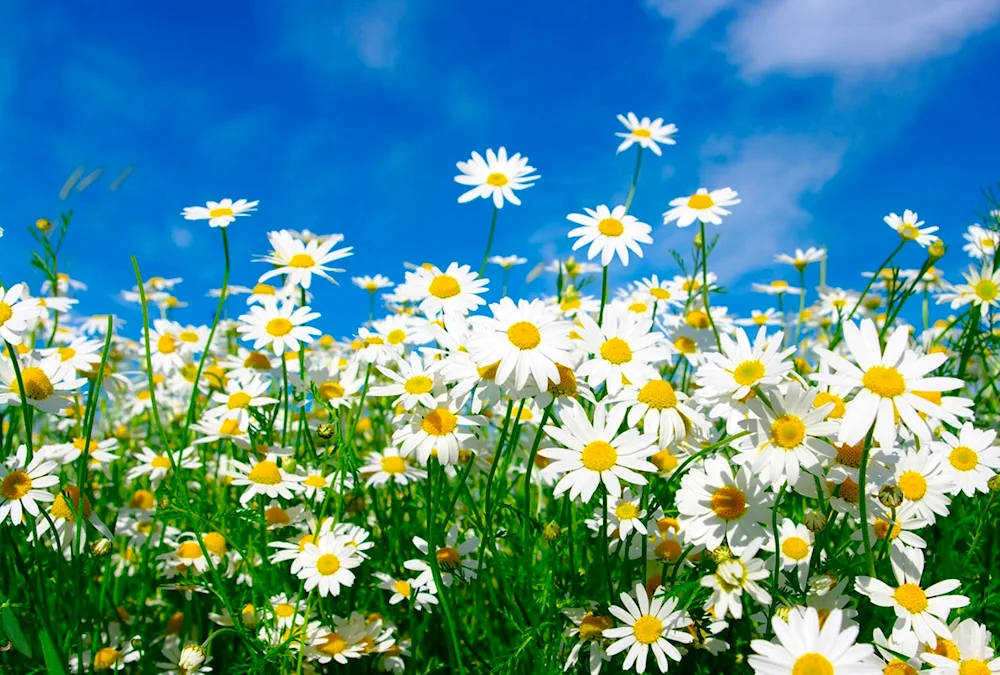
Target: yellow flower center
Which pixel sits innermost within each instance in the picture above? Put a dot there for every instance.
(65, 353)
(166, 344)
(667, 550)
(973, 667)
(839, 407)
(660, 293)
(729, 502)
(488, 372)
(913, 485)
(788, 431)
(37, 385)
(15, 485)
(911, 598)
(395, 336)
(284, 610)
(448, 557)
(279, 326)
(626, 511)
(5, 312)
(638, 307)
(60, 509)
(748, 373)
(393, 464)
(685, 345)
(812, 664)
(884, 381)
(302, 260)
(327, 564)
(418, 384)
(883, 528)
(330, 390)
(332, 645)
(496, 180)
(701, 201)
(658, 394)
(795, 548)
(897, 667)
(567, 305)
(647, 629)
(610, 227)
(697, 319)
(779, 283)
(403, 588)
(524, 335)
(444, 286)
(105, 658)
(220, 212)
(238, 400)
(229, 428)
(142, 499)
(160, 462)
(567, 383)
(963, 458)
(642, 133)
(265, 472)
(908, 231)
(189, 550)
(664, 460)
(439, 422)
(617, 351)
(987, 290)
(593, 626)
(599, 456)
(275, 515)
(945, 648)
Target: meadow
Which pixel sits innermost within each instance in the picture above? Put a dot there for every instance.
(588, 480)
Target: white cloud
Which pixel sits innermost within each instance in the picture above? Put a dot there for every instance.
(689, 15)
(181, 237)
(375, 34)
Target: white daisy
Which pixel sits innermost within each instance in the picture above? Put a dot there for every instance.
(22, 483)
(298, 260)
(802, 259)
(925, 485)
(807, 644)
(48, 382)
(739, 367)
(388, 466)
(609, 232)
(278, 327)
(970, 459)
(731, 578)
(220, 214)
(454, 292)
(704, 206)
(975, 655)
(497, 176)
(439, 431)
(326, 565)
(647, 133)
(264, 477)
(983, 243)
(662, 410)
(624, 347)
(651, 625)
(372, 284)
(453, 559)
(417, 382)
(908, 227)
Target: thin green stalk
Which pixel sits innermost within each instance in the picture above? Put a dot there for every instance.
(527, 473)
(635, 180)
(777, 558)
(489, 241)
(604, 543)
(604, 295)
(25, 406)
(704, 284)
(863, 504)
(455, 651)
(840, 330)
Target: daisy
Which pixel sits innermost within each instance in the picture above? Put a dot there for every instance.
(662, 409)
(805, 644)
(609, 232)
(454, 292)
(298, 260)
(836, 301)
(921, 476)
(439, 431)
(388, 465)
(220, 214)
(507, 261)
(81, 353)
(406, 590)
(522, 342)
(665, 293)
(651, 625)
(739, 366)
(717, 507)
(970, 459)
(624, 347)
(264, 477)
(924, 611)
(415, 383)
(22, 483)
(983, 243)
(975, 655)
(648, 134)
(593, 453)
(802, 259)
(704, 206)
(156, 466)
(190, 660)
(732, 577)
(278, 327)
(908, 228)
(372, 284)
(48, 382)
(625, 517)
(982, 288)
(327, 564)
(453, 559)
(887, 381)
(239, 397)
(769, 317)
(776, 287)
(497, 176)
(795, 543)
(588, 628)
(895, 646)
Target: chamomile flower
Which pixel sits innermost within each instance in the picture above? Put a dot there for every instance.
(908, 228)
(731, 579)
(652, 624)
(982, 288)
(665, 293)
(703, 206)
(326, 565)
(416, 383)
(807, 644)
(239, 397)
(609, 232)
(802, 259)
(594, 452)
(795, 545)
(158, 465)
(264, 477)
(220, 214)
(588, 628)
(496, 177)
(624, 347)
(454, 292)
(278, 327)
(406, 590)
(921, 476)
(454, 559)
(48, 382)
(740, 366)
(625, 516)
(22, 485)
(983, 243)
(507, 261)
(776, 287)
(297, 261)
(189, 660)
(439, 431)
(970, 459)
(924, 611)
(662, 410)
(975, 655)
(647, 133)
(372, 284)
(388, 466)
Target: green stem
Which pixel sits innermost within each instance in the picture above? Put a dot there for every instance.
(527, 473)
(604, 295)
(25, 406)
(840, 329)
(863, 505)
(436, 570)
(704, 284)
(635, 180)
(777, 558)
(489, 241)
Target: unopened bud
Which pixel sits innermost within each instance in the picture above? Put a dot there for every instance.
(288, 464)
(326, 431)
(43, 224)
(697, 240)
(551, 531)
(936, 250)
(815, 521)
(891, 496)
(783, 612)
(994, 483)
(721, 554)
(101, 547)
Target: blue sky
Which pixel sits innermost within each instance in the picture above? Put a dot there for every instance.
(349, 117)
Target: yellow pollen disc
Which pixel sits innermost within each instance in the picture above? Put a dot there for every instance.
(945, 648)
(788, 431)
(265, 472)
(330, 390)
(626, 511)
(403, 588)
(142, 499)
(488, 372)
(189, 550)
(160, 462)
(700, 202)
(106, 658)
(848, 491)
(795, 548)
(760, 319)
(60, 509)
(593, 626)
(617, 351)
(220, 212)
(188, 336)
(448, 557)
(660, 293)
(524, 335)
(302, 260)
(599, 456)
(729, 502)
(567, 305)
(779, 283)
(257, 361)
(395, 336)
(664, 460)
(884, 381)
(65, 353)
(697, 319)
(987, 290)
(275, 515)
(15, 485)
(685, 345)
(229, 428)
(963, 458)
(908, 231)
(315, 481)
(418, 384)
(850, 455)
(327, 564)
(913, 485)
(638, 307)
(647, 629)
(567, 383)
(439, 422)
(166, 344)
(496, 180)
(839, 407)
(667, 550)
(393, 464)
(658, 394)
(37, 385)
(642, 133)
(238, 400)
(610, 227)
(444, 286)
(332, 645)
(973, 667)
(278, 327)
(883, 529)
(264, 289)
(215, 543)
(897, 667)
(5, 312)
(812, 664)
(748, 373)
(284, 610)
(911, 598)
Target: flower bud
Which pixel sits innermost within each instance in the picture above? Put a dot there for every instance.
(994, 483)
(326, 431)
(551, 531)
(721, 554)
(815, 521)
(43, 224)
(101, 547)
(891, 496)
(288, 464)
(936, 250)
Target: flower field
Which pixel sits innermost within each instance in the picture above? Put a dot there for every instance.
(588, 480)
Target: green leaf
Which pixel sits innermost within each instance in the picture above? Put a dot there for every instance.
(10, 629)
(53, 662)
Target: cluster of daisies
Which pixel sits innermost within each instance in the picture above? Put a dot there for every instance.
(772, 473)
